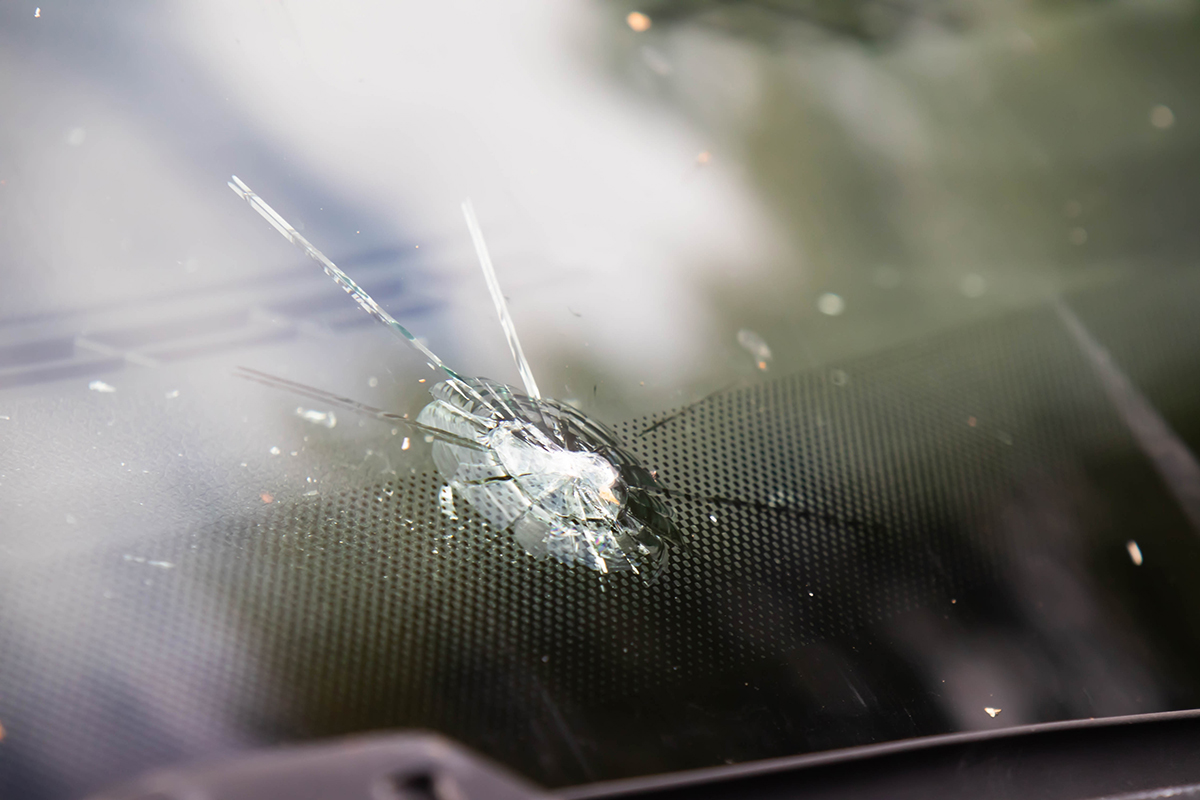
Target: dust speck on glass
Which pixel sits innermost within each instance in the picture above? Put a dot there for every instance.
(559, 482)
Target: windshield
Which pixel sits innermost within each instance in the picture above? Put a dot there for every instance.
(697, 383)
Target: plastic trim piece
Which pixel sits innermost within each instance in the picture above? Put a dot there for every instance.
(404, 766)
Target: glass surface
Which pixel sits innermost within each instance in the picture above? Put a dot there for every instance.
(891, 306)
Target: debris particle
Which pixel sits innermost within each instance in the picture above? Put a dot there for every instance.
(71, 520)
(638, 21)
(992, 712)
(405, 444)
(5, 417)
(703, 158)
(1077, 236)
(756, 346)
(1, 726)
(326, 418)
(76, 136)
(1135, 552)
(839, 377)
(171, 395)
(372, 381)
(37, 12)
(101, 386)
(274, 451)
(1073, 208)
(831, 304)
(953, 601)
(971, 421)
(1162, 117)
(267, 497)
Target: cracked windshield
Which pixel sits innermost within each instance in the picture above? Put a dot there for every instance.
(613, 388)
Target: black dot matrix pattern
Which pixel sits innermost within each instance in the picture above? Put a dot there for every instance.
(815, 509)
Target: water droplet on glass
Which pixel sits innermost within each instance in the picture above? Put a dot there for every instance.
(831, 304)
(1162, 117)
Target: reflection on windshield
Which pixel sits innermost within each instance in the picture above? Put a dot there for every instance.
(863, 331)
